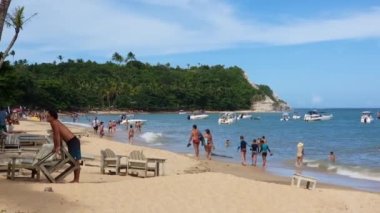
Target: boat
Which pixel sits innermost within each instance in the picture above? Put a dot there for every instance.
(285, 117)
(366, 117)
(296, 116)
(197, 116)
(227, 118)
(244, 116)
(314, 115)
(132, 121)
(181, 112)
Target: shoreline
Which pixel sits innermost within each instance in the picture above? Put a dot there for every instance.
(220, 165)
(201, 186)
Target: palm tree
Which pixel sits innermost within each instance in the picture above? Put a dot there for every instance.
(60, 58)
(130, 57)
(117, 58)
(4, 5)
(17, 21)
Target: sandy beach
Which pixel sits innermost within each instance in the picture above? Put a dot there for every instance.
(187, 186)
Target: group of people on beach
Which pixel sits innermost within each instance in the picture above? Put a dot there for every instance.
(197, 138)
(257, 146)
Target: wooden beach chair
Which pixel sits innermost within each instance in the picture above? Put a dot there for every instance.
(298, 178)
(31, 139)
(64, 165)
(9, 142)
(109, 159)
(137, 161)
(33, 164)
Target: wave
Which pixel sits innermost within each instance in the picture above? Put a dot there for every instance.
(152, 138)
(77, 124)
(345, 170)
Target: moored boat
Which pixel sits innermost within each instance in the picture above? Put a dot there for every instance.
(314, 115)
(227, 118)
(366, 117)
(244, 116)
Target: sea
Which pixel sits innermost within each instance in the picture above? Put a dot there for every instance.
(356, 145)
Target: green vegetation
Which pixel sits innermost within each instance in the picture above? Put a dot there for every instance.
(126, 84)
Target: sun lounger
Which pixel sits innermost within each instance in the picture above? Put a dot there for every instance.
(110, 159)
(19, 162)
(31, 139)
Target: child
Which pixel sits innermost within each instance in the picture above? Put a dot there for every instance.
(243, 150)
(264, 152)
(255, 151)
(332, 157)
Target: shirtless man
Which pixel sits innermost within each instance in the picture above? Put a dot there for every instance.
(61, 132)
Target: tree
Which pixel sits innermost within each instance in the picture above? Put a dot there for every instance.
(60, 58)
(4, 5)
(130, 57)
(117, 58)
(17, 21)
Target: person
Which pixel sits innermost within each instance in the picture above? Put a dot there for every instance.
(138, 126)
(227, 143)
(209, 143)
(264, 151)
(243, 150)
(3, 118)
(109, 127)
(131, 133)
(300, 154)
(101, 129)
(95, 125)
(61, 132)
(195, 136)
(255, 151)
(332, 157)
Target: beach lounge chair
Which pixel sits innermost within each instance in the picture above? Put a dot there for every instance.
(137, 161)
(298, 178)
(31, 139)
(33, 164)
(9, 142)
(109, 159)
(64, 165)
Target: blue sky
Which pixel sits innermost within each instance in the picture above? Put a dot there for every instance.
(312, 53)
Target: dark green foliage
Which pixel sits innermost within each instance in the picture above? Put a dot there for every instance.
(80, 85)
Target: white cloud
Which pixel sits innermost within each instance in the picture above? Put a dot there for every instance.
(98, 27)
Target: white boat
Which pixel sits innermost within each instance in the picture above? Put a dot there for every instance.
(366, 117)
(227, 118)
(314, 115)
(244, 116)
(285, 117)
(296, 116)
(181, 112)
(132, 121)
(197, 116)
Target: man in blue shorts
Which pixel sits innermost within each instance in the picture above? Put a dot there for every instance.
(61, 132)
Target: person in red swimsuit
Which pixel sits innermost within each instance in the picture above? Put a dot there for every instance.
(194, 137)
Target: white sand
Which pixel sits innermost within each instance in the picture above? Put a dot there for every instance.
(174, 192)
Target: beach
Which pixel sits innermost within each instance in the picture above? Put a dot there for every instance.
(187, 186)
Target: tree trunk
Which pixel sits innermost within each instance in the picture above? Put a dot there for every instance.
(6, 52)
(4, 5)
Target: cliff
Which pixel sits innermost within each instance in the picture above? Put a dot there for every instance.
(268, 102)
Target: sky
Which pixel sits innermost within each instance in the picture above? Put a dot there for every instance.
(312, 53)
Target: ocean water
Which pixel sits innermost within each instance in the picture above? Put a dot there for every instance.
(356, 145)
